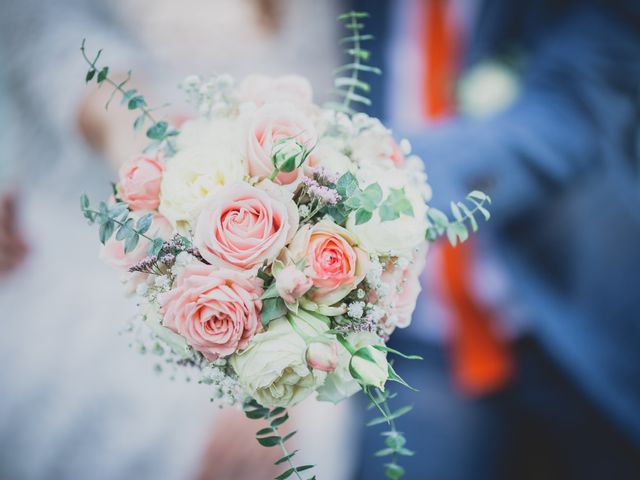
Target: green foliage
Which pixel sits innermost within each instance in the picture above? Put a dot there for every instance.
(158, 131)
(349, 87)
(272, 308)
(366, 202)
(270, 436)
(115, 219)
(394, 440)
(464, 218)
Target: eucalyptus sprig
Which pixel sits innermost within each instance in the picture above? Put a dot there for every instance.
(270, 436)
(457, 230)
(159, 131)
(395, 441)
(348, 83)
(115, 219)
(364, 202)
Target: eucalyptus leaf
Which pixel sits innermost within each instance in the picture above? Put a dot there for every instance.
(363, 216)
(272, 308)
(157, 130)
(131, 242)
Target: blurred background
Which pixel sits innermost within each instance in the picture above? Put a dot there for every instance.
(530, 332)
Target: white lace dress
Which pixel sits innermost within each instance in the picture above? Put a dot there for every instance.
(75, 401)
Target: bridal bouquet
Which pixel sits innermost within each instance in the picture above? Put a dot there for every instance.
(275, 245)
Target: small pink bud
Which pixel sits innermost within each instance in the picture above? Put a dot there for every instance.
(323, 356)
(291, 283)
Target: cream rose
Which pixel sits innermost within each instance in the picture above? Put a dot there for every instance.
(243, 226)
(397, 237)
(339, 383)
(274, 368)
(333, 261)
(210, 155)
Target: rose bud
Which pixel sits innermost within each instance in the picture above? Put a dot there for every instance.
(291, 283)
(369, 366)
(323, 356)
(288, 155)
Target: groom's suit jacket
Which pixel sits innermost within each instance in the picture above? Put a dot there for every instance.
(562, 166)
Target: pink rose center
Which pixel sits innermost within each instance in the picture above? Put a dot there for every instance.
(331, 258)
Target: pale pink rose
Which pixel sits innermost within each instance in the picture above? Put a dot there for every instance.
(261, 89)
(406, 289)
(242, 226)
(139, 184)
(112, 252)
(217, 310)
(323, 356)
(271, 124)
(291, 283)
(333, 262)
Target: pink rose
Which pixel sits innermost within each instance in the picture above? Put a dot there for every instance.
(334, 263)
(112, 252)
(271, 124)
(291, 283)
(261, 89)
(139, 184)
(216, 310)
(242, 226)
(323, 356)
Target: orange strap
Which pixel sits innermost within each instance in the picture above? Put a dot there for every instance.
(481, 359)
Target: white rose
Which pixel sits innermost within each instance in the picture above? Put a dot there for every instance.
(327, 154)
(397, 237)
(210, 155)
(273, 369)
(340, 384)
(369, 365)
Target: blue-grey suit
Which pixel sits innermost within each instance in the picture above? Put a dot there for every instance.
(562, 166)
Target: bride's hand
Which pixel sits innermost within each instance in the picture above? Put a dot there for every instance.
(234, 453)
(13, 247)
(110, 132)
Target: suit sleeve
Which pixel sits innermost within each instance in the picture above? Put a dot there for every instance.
(576, 111)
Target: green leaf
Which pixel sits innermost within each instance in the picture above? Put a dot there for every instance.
(272, 308)
(393, 471)
(155, 247)
(363, 216)
(353, 202)
(90, 74)
(106, 230)
(131, 242)
(102, 75)
(387, 212)
(373, 193)
(136, 102)
(257, 413)
(456, 212)
(271, 292)
(341, 82)
(144, 223)
(286, 457)
(395, 440)
(288, 436)
(128, 95)
(269, 441)
(138, 123)
(265, 431)
(280, 420)
(346, 185)
(286, 474)
(384, 452)
(84, 201)
(469, 215)
(157, 130)
(393, 416)
(277, 411)
(126, 230)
